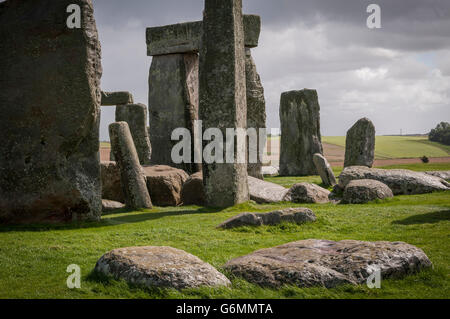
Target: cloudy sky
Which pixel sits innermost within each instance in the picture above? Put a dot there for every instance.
(398, 76)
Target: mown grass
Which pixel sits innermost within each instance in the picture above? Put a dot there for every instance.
(33, 259)
(399, 146)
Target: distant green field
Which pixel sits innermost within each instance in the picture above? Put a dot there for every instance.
(399, 146)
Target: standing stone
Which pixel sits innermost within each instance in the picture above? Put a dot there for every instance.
(223, 96)
(49, 113)
(300, 132)
(132, 176)
(173, 103)
(324, 169)
(136, 117)
(256, 112)
(360, 144)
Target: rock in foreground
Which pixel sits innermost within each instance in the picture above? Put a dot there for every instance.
(264, 192)
(307, 193)
(327, 263)
(365, 190)
(290, 215)
(441, 174)
(400, 181)
(164, 267)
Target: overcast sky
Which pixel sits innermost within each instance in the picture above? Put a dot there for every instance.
(398, 76)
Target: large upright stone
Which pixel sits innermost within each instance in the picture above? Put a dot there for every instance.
(136, 117)
(300, 132)
(49, 113)
(173, 103)
(256, 113)
(360, 144)
(324, 170)
(223, 96)
(132, 175)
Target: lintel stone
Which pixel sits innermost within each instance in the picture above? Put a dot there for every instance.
(116, 98)
(186, 37)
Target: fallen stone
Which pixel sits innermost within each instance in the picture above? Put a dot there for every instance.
(270, 171)
(162, 267)
(136, 117)
(173, 103)
(325, 263)
(364, 191)
(111, 187)
(264, 192)
(187, 37)
(400, 181)
(300, 132)
(360, 144)
(307, 193)
(223, 103)
(192, 192)
(49, 113)
(324, 170)
(445, 175)
(110, 205)
(164, 184)
(116, 98)
(289, 215)
(132, 176)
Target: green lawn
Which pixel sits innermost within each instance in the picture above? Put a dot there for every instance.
(399, 146)
(33, 259)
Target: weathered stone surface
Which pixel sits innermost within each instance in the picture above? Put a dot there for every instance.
(270, 171)
(360, 144)
(307, 193)
(365, 190)
(193, 192)
(264, 192)
(136, 117)
(441, 174)
(111, 187)
(290, 215)
(164, 267)
(173, 103)
(324, 170)
(256, 115)
(116, 98)
(312, 262)
(300, 132)
(132, 176)
(164, 184)
(187, 37)
(400, 181)
(223, 96)
(110, 205)
(49, 113)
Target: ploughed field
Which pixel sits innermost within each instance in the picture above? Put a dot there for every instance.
(34, 259)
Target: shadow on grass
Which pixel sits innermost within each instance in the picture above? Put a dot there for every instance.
(429, 218)
(135, 216)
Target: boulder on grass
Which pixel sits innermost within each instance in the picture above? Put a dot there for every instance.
(110, 205)
(264, 192)
(400, 181)
(193, 192)
(289, 215)
(364, 191)
(164, 267)
(307, 193)
(441, 174)
(164, 184)
(325, 263)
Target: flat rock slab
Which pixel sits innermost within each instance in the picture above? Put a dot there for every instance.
(290, 215)
(164, 184)
(313, 262)
(270, 171)
(164, 267)
(307, 193)
(264, 192)
(365, 190)
(110, 205)
(116, 98)
(400, 181)
(441, 174)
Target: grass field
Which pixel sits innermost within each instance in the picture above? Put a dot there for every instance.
(399, 146)
(33, 259)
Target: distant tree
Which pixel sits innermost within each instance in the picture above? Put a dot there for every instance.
(441, 133)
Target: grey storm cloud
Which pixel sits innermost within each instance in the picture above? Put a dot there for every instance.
(399, 75)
